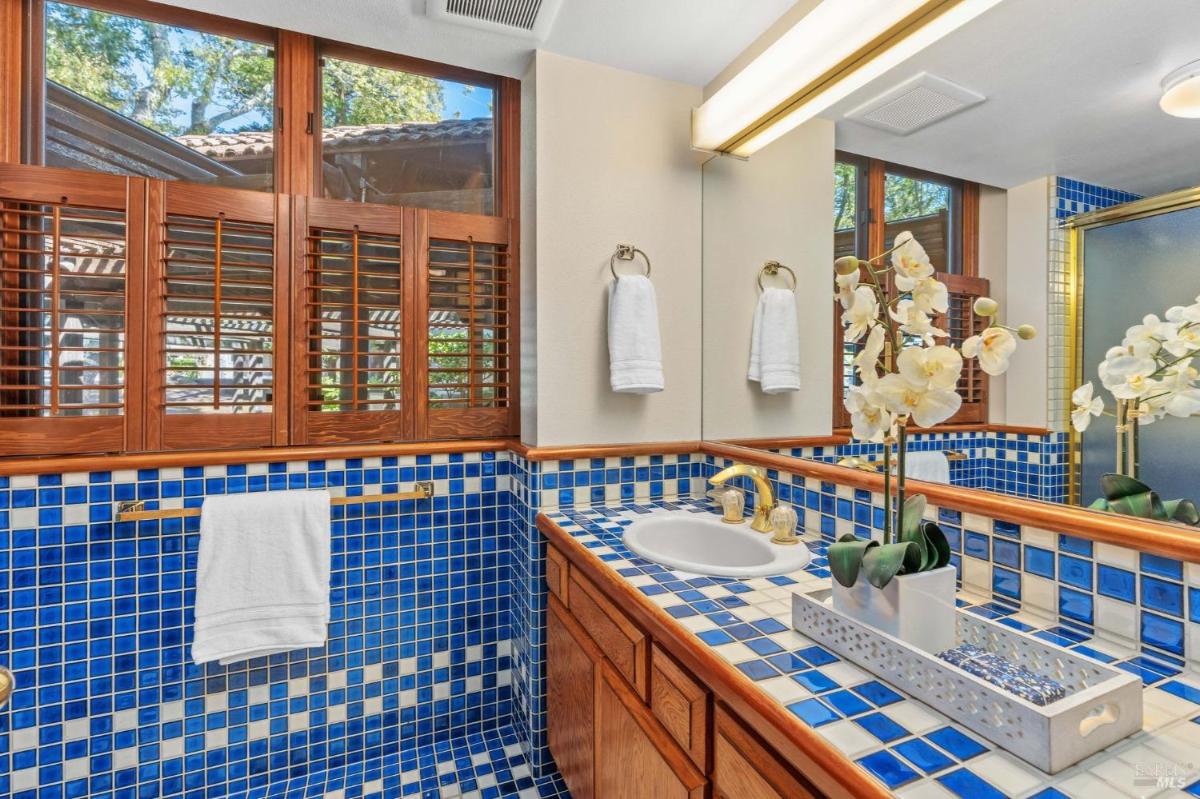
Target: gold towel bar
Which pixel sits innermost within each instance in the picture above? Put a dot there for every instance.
(136, 512)
(874, 464)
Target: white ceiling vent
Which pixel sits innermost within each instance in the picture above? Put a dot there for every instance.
(916, 103)
(528, 18)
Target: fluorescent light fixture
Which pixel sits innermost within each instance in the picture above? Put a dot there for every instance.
(834, 50)
(1181, 92)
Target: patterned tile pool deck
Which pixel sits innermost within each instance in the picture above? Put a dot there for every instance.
(906, 745)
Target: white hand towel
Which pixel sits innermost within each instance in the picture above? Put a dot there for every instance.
(262, 577)
(634, 346)
(775, 342)
(932, 467)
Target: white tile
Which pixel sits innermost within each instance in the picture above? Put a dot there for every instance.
(976, 573)
(1038, 592)
(848, 737)
(1113, 555)
(1039, 538)
(1007, 773)
(785, 689)
(1120, 618)
(1129, 779)
(1085, 786)
(925, 790)
(914, 716)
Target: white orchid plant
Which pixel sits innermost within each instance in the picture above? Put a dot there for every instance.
(907, 371)
(1151, 375)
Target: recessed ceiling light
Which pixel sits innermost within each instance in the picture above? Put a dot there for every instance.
(1181, 92)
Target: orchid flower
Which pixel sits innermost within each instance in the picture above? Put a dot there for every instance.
(1085, 407)
(993, 347)
(862, 315)
(926, 405)
(910, 261)
(915, 322)
(846, 284)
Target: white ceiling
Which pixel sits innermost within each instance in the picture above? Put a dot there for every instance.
(682, 40)
(1072, 89)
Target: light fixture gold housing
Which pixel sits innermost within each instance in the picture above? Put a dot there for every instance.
(1181, 92)
(835, 49)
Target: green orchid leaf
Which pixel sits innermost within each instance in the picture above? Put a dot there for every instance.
(1146, 505)
(883, 562)
(1118, 486)
(1184, 510)
(938, 543)
(911, 515)
(918, 555)
(846, 556)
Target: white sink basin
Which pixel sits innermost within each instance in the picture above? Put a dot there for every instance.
(706, 545)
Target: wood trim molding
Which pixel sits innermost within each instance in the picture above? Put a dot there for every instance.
(1109, 528)
(164, 460)
(803, 746)
(12, 79)
(605, 450)
(837, 439)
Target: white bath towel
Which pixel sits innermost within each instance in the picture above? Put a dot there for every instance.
(634, 345)
(775, 342)
(932, 467)
(262, 577)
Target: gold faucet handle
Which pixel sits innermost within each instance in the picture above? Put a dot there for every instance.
(783, 523)
(732, 501)
(7, 684)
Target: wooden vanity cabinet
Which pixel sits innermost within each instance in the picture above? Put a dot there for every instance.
(625, 720)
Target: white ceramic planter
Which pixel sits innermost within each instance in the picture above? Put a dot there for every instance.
(916, 608)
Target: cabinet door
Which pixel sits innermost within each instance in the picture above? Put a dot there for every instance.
(572, 666)
(745, 769)
(636, 757)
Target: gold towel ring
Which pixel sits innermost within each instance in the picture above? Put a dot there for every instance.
(627, 252)
(8, 684)
(772, 268)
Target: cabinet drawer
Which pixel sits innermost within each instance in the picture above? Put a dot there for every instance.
(681, 704)
(743, 768)
(556, 573)
(620, 639)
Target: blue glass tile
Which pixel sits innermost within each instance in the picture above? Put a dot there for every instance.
(923, 756)
(1075, 605)
(969, 785)
(1162, 596)
(1161, 566)
(812, 712)
(976, 545)
(1076, 546)
(877, 693)
(814, 681)
(881, 727)
(1182, 690)
(1007, 553)
(1115, 583)
(757, 670)
(1162, 632)
(1076, 572)
(956, 743)
(888, 768)
(846, 703)
(1005, 582)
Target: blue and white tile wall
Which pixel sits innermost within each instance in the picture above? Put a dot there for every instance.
(1018, 464)
(1147, 601)
(96, 623)
(1077, 197)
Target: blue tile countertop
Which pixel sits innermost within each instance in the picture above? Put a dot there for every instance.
(906, 745)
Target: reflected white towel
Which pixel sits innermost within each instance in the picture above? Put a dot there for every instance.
(634, 345)
(932, 467)
(775, 342)
(262, 576)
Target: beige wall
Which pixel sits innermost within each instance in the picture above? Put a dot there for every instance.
(1028, 211)
(608, 158)
(775, 206)
(993, 264)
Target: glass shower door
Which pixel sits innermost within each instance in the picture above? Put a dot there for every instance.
(1131, 269)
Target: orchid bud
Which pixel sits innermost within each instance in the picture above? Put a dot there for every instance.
(1026, 332)
(986, 306)
(846, 265)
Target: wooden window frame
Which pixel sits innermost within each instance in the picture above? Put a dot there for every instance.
(964, 242)
(296, 184)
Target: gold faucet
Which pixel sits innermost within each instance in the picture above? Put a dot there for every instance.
(764, 501)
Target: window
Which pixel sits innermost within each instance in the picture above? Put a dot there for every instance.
(135, 96)
(398, 137)
(191, 259)
(874, 202)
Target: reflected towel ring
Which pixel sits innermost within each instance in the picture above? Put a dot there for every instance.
(627, 252)
(772, 268)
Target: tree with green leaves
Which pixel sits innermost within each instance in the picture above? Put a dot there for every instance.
(178, 81)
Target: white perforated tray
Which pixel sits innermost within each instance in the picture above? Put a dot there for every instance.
(1102, 705)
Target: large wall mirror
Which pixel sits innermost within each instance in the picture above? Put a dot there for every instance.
(1055, 173)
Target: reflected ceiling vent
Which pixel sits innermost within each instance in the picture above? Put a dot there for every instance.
(527, 18)
(916, 103)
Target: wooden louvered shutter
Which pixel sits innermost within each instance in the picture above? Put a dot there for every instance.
(70, 290)
(466, 341)
(219, 293)
(353, 324)
(961, 322)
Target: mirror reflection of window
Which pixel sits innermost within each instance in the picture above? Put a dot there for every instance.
(925, 206)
